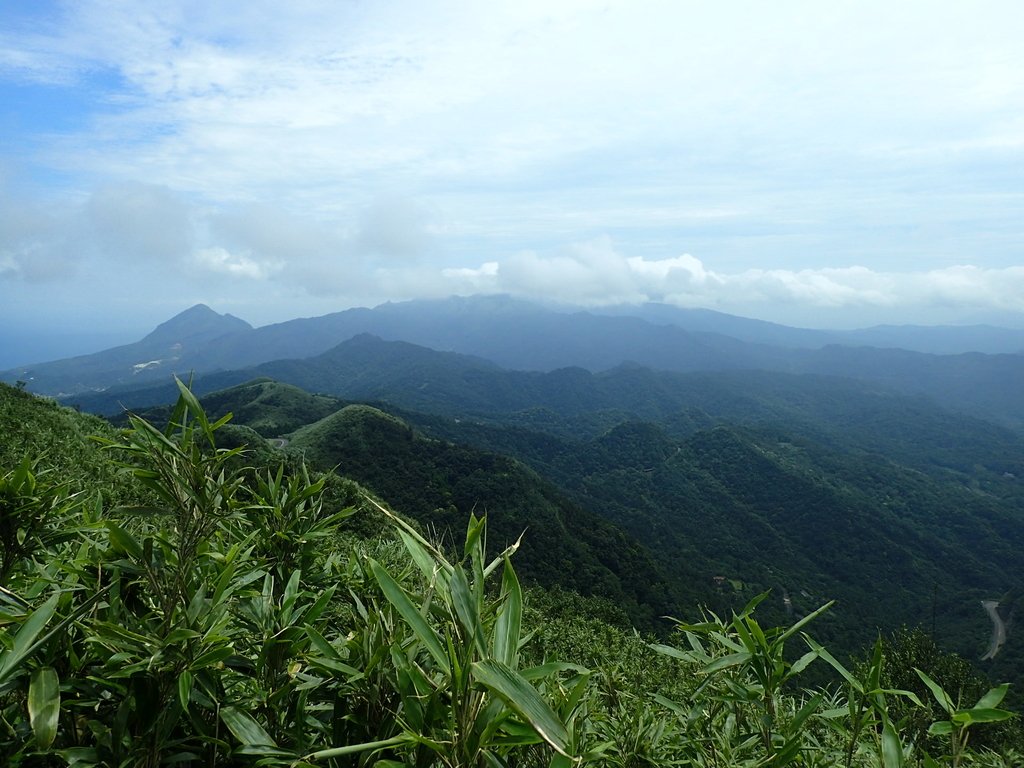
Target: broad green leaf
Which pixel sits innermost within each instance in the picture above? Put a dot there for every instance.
(725, 662)
(675, 707)
(877, 661)
(993, 698)
(466, 608)
(551, 668)
(940, 695)
(941, 728)
(244, 728)
(524, 699)
(411, 532)
(185, 688)
(754, 602)
(212, 657)
(474, 530)
(316, 610)
(181, 633)
(892, 750)
(291, 590)
(900, 692)
(806, 711)
(195, 409)
(668, 650)
(508, 626)
(319, 642)
(981, 715)
(423, 559)
(26, 636)
(397, 597)
(801, 664)
(757, 633)
(502, 556)
(123, 541)
(44, 705)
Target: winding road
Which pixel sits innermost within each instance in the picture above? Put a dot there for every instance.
(998, 629)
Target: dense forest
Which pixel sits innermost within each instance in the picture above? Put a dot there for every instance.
(732, 483)
(181, 591)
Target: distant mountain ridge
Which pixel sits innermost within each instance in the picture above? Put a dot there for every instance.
(157, 355)
(196, 324)
(519, 335)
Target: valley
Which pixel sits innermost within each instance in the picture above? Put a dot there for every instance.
(812, 486)
(636, 497)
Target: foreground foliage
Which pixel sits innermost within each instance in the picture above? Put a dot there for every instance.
(216, 615)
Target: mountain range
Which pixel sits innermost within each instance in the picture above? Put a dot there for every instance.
(982, 374)
(685, 456)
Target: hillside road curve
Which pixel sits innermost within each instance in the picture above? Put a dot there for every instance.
(998, 629)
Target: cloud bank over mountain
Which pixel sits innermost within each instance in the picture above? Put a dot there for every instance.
(846, 159)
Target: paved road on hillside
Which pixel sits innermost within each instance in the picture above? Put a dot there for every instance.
(998, 629)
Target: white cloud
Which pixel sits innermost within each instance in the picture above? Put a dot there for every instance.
(595, 274)
(350, 152)
(37, 245)
(395, 228)
(235, 264)
(140, 222)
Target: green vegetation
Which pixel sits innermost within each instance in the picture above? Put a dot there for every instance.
(666, 491)
(218, 614)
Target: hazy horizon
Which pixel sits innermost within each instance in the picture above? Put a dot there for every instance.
(24, 345)
(819, 165)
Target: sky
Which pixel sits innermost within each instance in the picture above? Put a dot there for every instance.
(836, 164)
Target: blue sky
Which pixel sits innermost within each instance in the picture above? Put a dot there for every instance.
(825, 164)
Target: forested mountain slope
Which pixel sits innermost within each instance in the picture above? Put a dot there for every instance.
(814, 488)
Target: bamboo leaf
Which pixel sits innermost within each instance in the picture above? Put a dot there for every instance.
(940, 695)
(892, 750)
(185, 688)
(982, 715)
(466, 609)
(369, 746)
(801, 664)
(835, 664)
(805, 621)
(397, 597)
(941, 728)
(732, 660)
(993, 698)
(423, 558)
(551, 668)
(244, 728)
(123, 541)
(24, 639)
(508, 626)
(44, 705)
(806, 711)
(523, 699)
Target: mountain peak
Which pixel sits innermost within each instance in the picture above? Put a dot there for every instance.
(198, 322)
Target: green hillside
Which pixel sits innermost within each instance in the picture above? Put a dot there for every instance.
(264, 405)
(235, 619)
(831, 490)
(60, 441)
(771, 509)
(441, 484)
